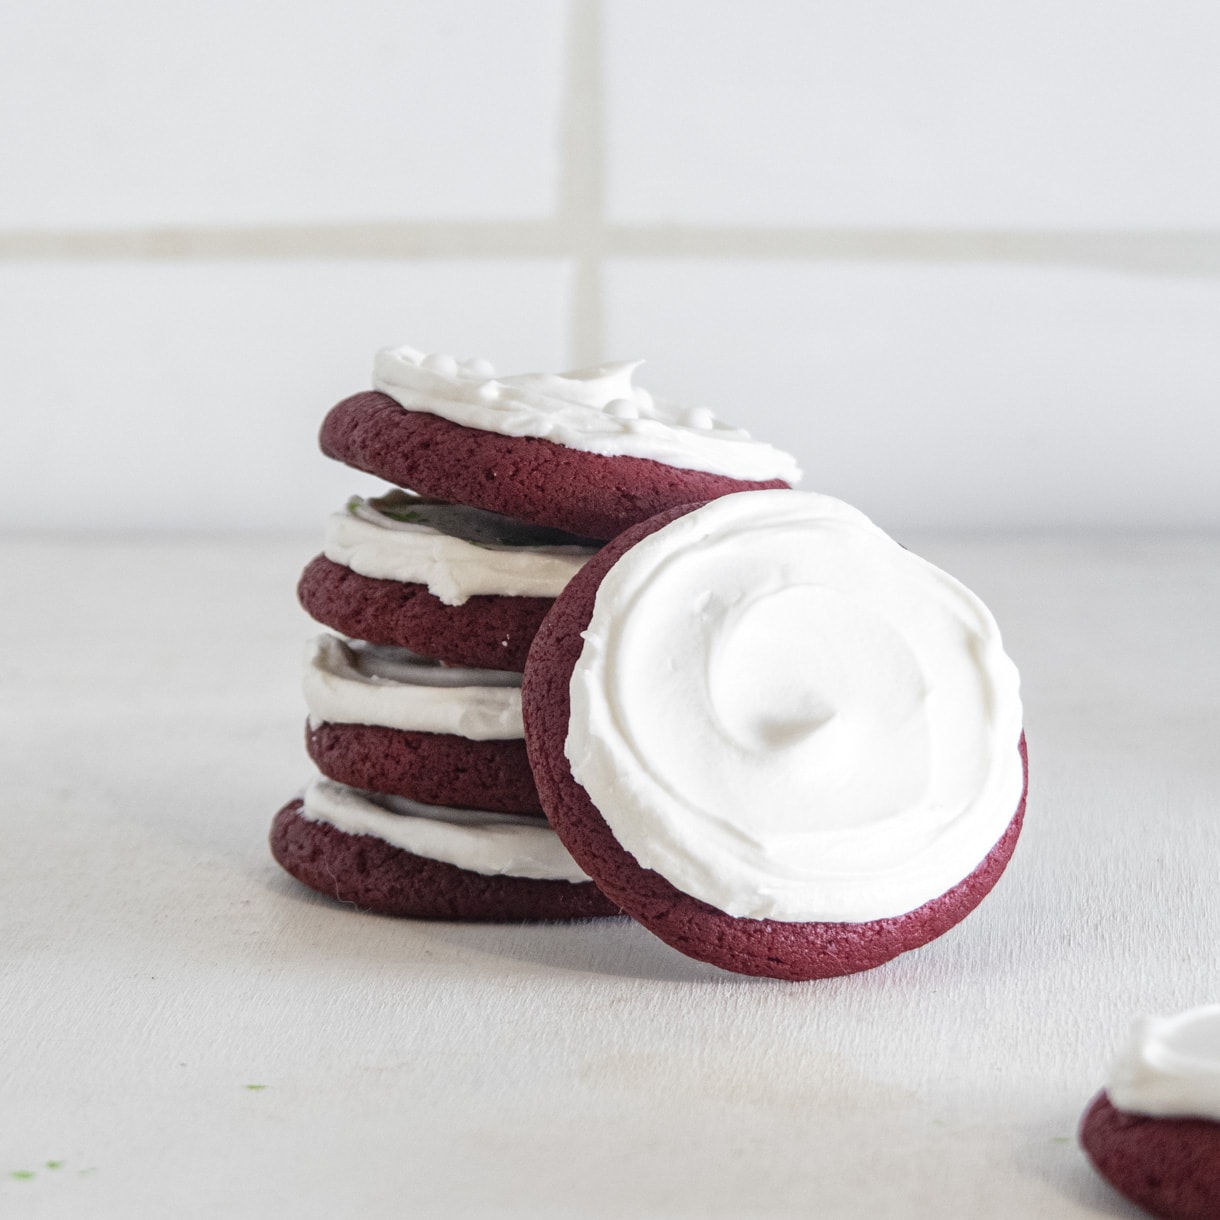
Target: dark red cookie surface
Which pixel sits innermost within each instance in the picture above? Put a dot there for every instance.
(748, 946)
(483, 632)
(1169, 1166)
(436, 768)
(376, 876)
(526, 477)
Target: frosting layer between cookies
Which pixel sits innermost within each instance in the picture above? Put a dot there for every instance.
(596, 410)
(381, 545)
(493, 844)
(359, 683)
(790, 717)
(1170, 1066)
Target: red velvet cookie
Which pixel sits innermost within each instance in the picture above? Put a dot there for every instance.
(525, 477)
(484, 632)
(759, 946)
(376, 876)
(1169, 1166)
(436, 768)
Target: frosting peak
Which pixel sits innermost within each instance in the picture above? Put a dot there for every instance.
(597, 410)
(596, 387)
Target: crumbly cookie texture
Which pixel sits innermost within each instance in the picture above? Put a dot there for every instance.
(436, 768)
(526, 477)
(1169, 1166)
(485, 632)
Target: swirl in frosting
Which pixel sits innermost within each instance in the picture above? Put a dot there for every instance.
(790, 717)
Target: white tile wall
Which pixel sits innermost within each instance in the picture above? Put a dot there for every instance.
(950, 396)
(504, 169)
(139, 112)
(1020, 113)
(187, 395)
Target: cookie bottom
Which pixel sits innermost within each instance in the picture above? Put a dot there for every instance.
(589, 494)
(484, 632)
(375, 876)
(435, 768)
(1168, 1166)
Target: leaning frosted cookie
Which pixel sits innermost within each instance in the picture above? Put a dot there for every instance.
(392, 856)
(388, 721)
(1154, 1132)
(780, 741)
(585, 451)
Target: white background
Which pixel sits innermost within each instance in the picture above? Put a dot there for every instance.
(963, 260)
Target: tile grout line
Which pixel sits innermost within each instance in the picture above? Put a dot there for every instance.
(1183, 252)
(580, 234)
(374, 239)
(581, 181)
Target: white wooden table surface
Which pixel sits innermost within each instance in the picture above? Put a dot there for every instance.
(185, 1031)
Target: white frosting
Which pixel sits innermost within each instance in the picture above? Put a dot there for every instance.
(373, 544)
(1170, 1067)
(596, 410)
(358, 683)
(790, 717)
(494, 844)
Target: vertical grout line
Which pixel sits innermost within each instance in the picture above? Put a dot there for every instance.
(581, 188)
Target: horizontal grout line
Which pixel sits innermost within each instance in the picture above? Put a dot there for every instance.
(1181, 252)
(381, 239)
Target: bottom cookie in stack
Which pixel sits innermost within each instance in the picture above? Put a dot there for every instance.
(394, 856)
(427, 807)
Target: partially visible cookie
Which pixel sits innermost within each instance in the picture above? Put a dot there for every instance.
(1154, 1132)
(342, 844)
(781, 742)
(437, 768)
(585, 452)
(483, 632)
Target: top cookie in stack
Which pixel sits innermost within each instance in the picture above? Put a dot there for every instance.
(586, 452)
(583, 455)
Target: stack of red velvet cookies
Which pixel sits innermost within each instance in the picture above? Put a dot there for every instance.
(600, 656)
(426, 805)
